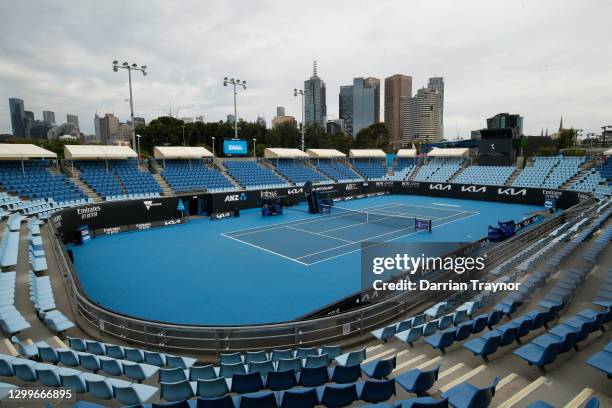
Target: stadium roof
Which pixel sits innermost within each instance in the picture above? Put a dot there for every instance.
(180, 152)
(93, 152)
(324, 153)
(281, 153)
(367, 153)
(10, 151)
(450, 152)
(608, 152)
(407, 153)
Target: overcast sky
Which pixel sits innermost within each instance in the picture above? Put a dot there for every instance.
(542, 59)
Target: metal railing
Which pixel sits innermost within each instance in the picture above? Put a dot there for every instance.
(328, 329)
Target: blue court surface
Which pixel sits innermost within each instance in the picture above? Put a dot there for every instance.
(253, 270)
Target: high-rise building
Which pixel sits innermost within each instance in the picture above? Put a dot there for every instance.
(107, 128)
(437, 84)
(335, 126)
(280, 111)
(396, 87)
(315, 105)
(421, 117)
(261, 121)
(17, 117)
(49, 116)
(279, 120)
(28, 123)
(138, 121)
(345, 107)
(73, 120)
(366, 103)
(506, 120)
(124, 133)
(231, 118)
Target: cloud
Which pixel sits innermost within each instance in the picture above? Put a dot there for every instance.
(540, 59)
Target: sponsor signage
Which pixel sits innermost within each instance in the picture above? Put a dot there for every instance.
(220, 216)
(232, 147)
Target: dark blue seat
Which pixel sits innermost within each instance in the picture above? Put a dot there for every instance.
(522, 325)
(345, 374)
(442, 340)
(379, 368)
(225, 401)
(384, 333)
(245, 383)
(464, 330)
(465, 395)
(480, 323)
(422, 402)
(337, 395)
(375, 390)
(418, 381)
(483, 346)
(538, 355)
(281, 380)
(568, 336)
(313, 376)
(299, 398)
(411, 335)
(494, 318)
(602, 360)
(506, 333)
(582, 327)
(261, 399)
(538, 318)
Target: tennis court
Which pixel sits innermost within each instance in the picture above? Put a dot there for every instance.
(341, 232)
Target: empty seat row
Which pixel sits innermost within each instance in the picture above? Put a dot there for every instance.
(11, 320)
(41, 294)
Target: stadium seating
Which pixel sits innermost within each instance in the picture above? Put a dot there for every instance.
(121, 180)
(372, 169)
(41, 294)
(299, 172)
(337, 170)
(34, 181)
(485, 175)
(194, 175)
(403, 168)
(253, 175)
(439, 169)
(549, 172)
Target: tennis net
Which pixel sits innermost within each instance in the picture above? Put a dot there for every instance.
(370, 217)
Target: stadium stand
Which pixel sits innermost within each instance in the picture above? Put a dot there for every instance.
(372, 169)
(299, 172)
(403, 168)
(485, 175)
(549, 172)
(194, 175)
(252, 175)
(337, 170)
(439, 169)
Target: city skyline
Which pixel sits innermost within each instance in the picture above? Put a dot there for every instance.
(484, 74)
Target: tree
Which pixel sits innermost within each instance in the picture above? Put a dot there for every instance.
(375, 136)
(566, 139)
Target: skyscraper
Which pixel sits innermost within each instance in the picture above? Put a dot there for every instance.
(345, 108)
(49, 116)
(506, 120)
(28, 123)
(421, 117)
(280, 111)
(73, 120)
(437, 84)
(107, 128)
(315, 106)
(396, 87)
(17, 117)
(366, 103)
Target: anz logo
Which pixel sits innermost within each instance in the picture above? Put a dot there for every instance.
(512, 191)
(474, 189)
(440, 187)
(235, 197)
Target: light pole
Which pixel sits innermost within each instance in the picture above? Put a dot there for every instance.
(300, 92)
(242, 84)
(254, 148)
(213, 147)
(183, 126)
(138, 138)
(603, 134)
(130, 68)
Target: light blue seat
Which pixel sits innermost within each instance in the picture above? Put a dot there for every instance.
(77, 344)
(24, 369)
(134, 355)
(316, 361)
(278, 354)
(228, 370)
(385, 333)
(294, 364)
(230, 358)
(72, 379)
(379, 368)
(139, 372)
(133, 394)
(180, 361)
(171, 375)
(48, 375)
(111, 366)
(215, 387)
(155, 358)
(442, 340)
(205, 372)
(352, 357)
(178, 391)
(103, 388)
(90, 362)
(303, 352)
(255, 356)
(418, 381)
(261, 367)
(332, 351)
(69, 357)
(465, 395)
(411, 335)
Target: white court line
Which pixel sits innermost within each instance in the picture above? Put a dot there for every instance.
(381, 235)
(389, 240)
(320, 234)
(266, 250)
(389, 216)
(253, 230)
(431, 208)
(446, 205)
